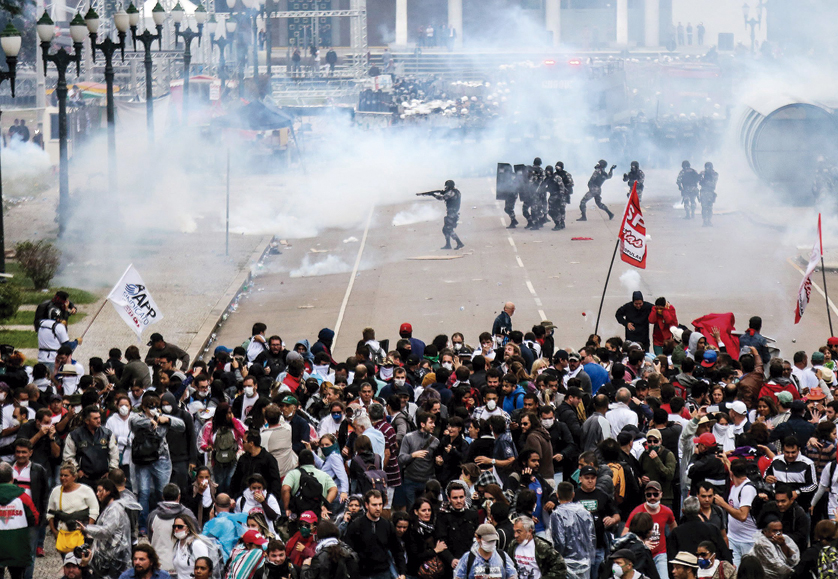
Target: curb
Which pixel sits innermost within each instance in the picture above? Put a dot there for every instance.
(206, 334)
(803, 262)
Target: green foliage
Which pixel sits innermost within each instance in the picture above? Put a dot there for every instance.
(39, 261)
(10, 299)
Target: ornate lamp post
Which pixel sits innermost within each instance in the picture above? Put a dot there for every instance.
(10, 42)
(62, 59)
(158, 14)
(108, 48)
(221, 42)
(188, 36)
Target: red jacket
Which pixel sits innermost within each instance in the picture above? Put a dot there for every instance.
(771, 389)
(662, 323)
(297, 557)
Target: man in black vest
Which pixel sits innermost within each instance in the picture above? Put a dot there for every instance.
(92, 448)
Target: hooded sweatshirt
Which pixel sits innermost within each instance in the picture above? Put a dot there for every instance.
(160, 530)
(182, 445)
(17, 514)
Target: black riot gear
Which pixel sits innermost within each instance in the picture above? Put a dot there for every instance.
(685, 165)
(595, 190)
(688, 185)
(602, 164)
(559, 165)
(452, 197)
(449, 184)
(707, 180)
(708, 166)
(635, 165)
(635, 176)
(537, 161)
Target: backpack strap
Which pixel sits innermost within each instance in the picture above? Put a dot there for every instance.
(469, 562)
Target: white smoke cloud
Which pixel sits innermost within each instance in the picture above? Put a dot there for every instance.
(331, 265)
(418, 213)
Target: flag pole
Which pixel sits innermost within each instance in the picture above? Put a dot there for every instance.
(99, 311)
(823, 272)
(607, 277)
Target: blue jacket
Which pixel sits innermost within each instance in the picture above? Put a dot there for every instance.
(226, 527)
(515, 399)
(159, 574)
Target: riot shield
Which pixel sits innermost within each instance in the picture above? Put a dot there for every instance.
(505, 183)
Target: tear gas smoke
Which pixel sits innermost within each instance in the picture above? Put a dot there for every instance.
(331, 265)
(418, 213)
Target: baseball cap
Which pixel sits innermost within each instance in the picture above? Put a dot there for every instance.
(817, 358)
(785, 398)
(653, 484)
(255, 537)
(587, 470)
(308, 517)
(827, 375)
(816, 394)
(290, 400)
(70, 559)
(833, 341)
(155, 337)
(548, 325)
(623, 554)
(710, 357)
(685, 559)
(405, 328)
(574, 356)
(224, 349)
(707, 439)
(739, 407)
(676, 332)
(654, 433)
(704, 420)
(487, 532)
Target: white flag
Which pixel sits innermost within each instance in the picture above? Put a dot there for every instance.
(805, 291)
(133, 302)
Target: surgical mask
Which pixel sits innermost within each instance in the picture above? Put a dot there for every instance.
(337, 416)
(705, 563)
(652, 504)
(167, 408)
(77, 409)
(458, 346)
(448, 365)
(24, 403)
(305, 532)
(155, 412)
(2, 396)
(201, 394)
(491, 405)
(488, 546)
(180, 535)
(249, 391)
(386, 373)
(548, 423)
(124, 410)
(616, 570)
(322, 370)
(399, 382)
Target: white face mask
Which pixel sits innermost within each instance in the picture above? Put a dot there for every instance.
(386, 373)
(124, 410)
(2, 396)
(322, 370)
(488, 546)
(155, 412)
(77, 409)
(617, 570)
(249, 391)
(653, 504)
(491, 405)
(200, 394)
(458, 346)
(24, 403)
(167, 408)
(448, 365)
(180, 535)
(548, 423)
(399, 382)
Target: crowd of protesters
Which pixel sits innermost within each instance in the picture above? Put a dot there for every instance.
(518, 456)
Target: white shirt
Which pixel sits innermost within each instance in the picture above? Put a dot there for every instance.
(525, 557)
(254, 348)
(51, 334)
(328, 426)
(247, 404)
(183, 558)
(121, 429)
(620, 415)
(742, 495)
(806, 378)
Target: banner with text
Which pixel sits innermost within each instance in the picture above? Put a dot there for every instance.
(133, 302)
(805, 291)
(633, 233)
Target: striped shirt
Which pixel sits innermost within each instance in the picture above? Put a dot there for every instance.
(800, 474)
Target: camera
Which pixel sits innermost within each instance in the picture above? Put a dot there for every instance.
(82, 551)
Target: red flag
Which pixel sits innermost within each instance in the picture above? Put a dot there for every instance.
(633, 233)
(726, 326)
(805, 291)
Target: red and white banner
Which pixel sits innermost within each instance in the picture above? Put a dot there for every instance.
(633, 233)
(805, 291)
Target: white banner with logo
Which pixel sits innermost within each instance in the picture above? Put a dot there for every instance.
(133, 302)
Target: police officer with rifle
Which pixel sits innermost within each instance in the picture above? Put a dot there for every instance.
(451, 195)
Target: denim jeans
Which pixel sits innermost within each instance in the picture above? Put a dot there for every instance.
(599, 557)
(222, 474)
(411, 490)
(662, 565)
(740, 550)
(151, 478)
(33, 542)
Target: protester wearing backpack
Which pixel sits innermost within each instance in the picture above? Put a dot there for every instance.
(485, 554)
(188, 546)
(307, 488)
(150, 451)
(256, 496)
(223, 438)
(742, 528)
(333, 558)
(255, 460)
(365, 472)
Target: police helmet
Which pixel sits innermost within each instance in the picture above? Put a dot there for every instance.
(635, 165)
(537, 161)
(559, 165)
(449, 184)
(54, 314)
(602, 163)
(549, 169)
(708, 166)
(685, 165)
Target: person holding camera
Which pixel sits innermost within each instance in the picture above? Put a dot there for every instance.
(77, 567)
(111, 534)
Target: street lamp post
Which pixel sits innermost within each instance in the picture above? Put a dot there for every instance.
(158, 14)
(221, 42)
(188, 36)
(10, 42)
(108, 48)
(62, 59)
(752, 22)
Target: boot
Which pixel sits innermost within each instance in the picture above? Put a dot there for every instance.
(512, 224)
(447, 243)
(610, 215)
(584, 217)
(460, 244)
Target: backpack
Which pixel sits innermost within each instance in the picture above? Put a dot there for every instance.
(145, 448)
(225, 445)
(758, 503)
(374, 477)
(216, 554)
(472, 556)
(41, 313)
(309, 495)
(411, 426)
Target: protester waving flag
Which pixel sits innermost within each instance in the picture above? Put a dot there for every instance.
(633, 233)
(805, 291)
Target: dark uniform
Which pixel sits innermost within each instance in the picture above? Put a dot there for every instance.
(530, 206)
(567, 181)
(688, 184)
(635, 176)
(553, 189)
(707, 181)
(595, 189)
(451, 196)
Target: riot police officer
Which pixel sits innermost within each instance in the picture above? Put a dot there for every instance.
(688, 184)
(567, 181)
(553, 189)
(530, 206)
(707, 181)
(635, 175)
(451, 196)
(598, 177)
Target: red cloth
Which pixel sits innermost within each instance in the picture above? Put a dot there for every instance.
(297, 557)
(772, 389)
(726, 324)
(662, 323)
